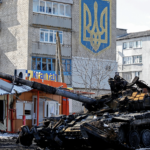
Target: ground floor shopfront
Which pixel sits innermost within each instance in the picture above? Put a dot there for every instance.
(31, 107)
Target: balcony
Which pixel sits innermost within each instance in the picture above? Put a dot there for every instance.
(42, 20)
(49, 49)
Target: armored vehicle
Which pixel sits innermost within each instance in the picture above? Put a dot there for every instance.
(120, 120)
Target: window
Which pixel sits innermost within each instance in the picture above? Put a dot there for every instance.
(48, 64)
(137, 59)
(49, 7)
(34, 63)
(42, 6)
(62, 9)
(137, 44)
(51, 108)
(124, 45)
(137, 74)
(44, 66)
(49, 36)
(127, 76)
(68, 10)
(132, 60)
(66, 65)
(28, 109)
(21, 110)
(55, 8)
(131, 45)
(52, 8)
(35, 5)
(127, 60)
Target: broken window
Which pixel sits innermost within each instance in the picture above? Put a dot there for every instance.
(27, 110)
(42, 6)
(49, 7)
(44, 67)
(51, 108)
(48, 64)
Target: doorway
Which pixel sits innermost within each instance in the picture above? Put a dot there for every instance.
(41, 110)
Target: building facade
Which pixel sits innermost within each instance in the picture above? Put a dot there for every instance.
(133, 54)
(86, 29)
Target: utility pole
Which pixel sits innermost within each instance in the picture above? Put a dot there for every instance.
(58, 57)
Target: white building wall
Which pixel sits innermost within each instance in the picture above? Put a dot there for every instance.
(144, 67)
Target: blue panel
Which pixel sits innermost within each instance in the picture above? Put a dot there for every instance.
(95, 23)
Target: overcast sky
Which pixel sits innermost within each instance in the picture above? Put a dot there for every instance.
(133, 15)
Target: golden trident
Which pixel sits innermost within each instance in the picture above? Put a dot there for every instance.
(95, 34)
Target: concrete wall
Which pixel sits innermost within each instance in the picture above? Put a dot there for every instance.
(37, 48)
(14, 35)
(144, 51)
(49, 49)
(92, 73)
(51, 21)
(81, 52)
(77, 48)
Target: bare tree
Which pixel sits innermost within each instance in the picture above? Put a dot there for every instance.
(91, 73)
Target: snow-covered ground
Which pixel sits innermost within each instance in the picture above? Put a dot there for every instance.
(8, 135)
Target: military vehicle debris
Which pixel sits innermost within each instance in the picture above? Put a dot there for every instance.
(120, 120)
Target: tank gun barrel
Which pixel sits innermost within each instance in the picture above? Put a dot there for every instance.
(48, 89)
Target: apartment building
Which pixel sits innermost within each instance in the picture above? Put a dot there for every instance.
(28, 36)
(133, 54)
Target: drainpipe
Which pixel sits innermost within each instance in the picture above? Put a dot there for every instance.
(37, 108)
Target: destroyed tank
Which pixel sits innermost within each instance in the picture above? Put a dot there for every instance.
(120, 120)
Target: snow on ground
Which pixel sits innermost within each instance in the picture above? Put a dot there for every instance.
(8, 135)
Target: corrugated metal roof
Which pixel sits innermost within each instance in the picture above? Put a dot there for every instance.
(19, 89)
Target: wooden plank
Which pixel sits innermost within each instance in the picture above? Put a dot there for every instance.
(56, 61)
(59, 57)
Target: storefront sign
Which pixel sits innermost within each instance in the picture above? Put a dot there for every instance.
(41, 75)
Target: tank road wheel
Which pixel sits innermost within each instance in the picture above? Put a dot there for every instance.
(145, 137)
(134, 139)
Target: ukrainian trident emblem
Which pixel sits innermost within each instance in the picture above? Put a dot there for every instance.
(95, 24)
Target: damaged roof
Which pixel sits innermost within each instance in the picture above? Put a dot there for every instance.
(16, 88)
(134, 35)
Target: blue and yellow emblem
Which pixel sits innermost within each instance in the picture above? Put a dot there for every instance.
(95, 25)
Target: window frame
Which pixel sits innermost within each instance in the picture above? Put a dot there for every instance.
(49, 32)
(52, 9)
(134, 45)
(132, 59)
(66, 72)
